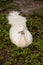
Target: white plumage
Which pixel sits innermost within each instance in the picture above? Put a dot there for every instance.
(18, 33)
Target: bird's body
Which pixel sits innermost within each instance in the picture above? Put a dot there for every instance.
(18, 33)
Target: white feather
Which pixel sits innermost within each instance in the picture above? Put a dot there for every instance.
(19, 24)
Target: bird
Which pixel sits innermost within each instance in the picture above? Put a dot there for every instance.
(18, 33)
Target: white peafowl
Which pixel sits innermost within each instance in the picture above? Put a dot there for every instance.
(18, 33)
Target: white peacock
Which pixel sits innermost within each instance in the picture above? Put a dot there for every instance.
(18, 33)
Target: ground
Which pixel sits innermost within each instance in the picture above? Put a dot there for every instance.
(33, 54)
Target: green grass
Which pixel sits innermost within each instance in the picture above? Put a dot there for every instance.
(12, 55)
(38, 0)
(4, 2)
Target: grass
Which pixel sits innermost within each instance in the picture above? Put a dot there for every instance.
(38, 0)
(4, 2)
(12, 55)
(33, 54)
(8, 4)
